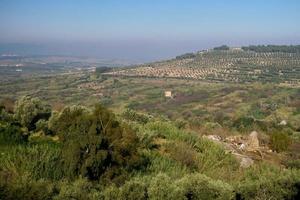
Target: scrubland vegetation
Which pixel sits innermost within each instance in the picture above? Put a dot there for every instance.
(93, 136)
(90, 153)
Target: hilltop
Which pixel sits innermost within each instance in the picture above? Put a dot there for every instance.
(278, 64)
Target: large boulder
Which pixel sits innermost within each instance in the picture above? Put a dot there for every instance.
(246, 162)
(253, 142)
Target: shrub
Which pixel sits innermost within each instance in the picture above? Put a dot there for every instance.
(8, 105)
(24, 187)
(160, 163)
(183, 153)
(162, 187)
(30, 110)
(279, 141)
(134, 116)
(169, 131)
(11, 134)
(293, 164)
(268, 182)
(110, 193)
(199, 186)
(4, 115)
(244, 123)
(95, 141)
(80, 189)
(214, 161)
(42, 125)
(133, 190)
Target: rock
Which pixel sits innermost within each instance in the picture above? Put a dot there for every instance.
(242, 147)
(283, 123)
(246, 162)
(213, 137)
(253, 142)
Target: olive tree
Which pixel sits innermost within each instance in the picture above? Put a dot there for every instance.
(30, 110)
(95, 143)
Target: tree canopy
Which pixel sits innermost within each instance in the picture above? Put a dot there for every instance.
(29, 110)
(273, 48)
(94, 142)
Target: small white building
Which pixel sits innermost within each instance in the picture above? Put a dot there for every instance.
(168, 94)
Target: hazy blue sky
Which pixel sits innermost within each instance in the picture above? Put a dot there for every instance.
(145, 29)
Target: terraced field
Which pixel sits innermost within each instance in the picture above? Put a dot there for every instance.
(218, 66)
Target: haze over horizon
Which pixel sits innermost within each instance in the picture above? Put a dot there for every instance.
(143, 30)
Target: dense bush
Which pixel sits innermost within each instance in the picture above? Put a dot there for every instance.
(42, 125)
(11, 134)
(133, 190)
(38, 161)
(26, 188)
(132, 115)
(214, 161)
(279, 141)
(80, 189)
(244, 123)
(162, 187)
(268, 182)
(183, 153)
(223, 47)
(30, 110)
(91, 155)
(273, 48)
(186, 56)
(199, 186)
(100, 70)
(95, 141)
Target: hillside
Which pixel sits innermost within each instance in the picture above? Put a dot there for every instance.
(233, 65)
(74, 133)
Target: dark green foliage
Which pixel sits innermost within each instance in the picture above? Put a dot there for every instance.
(91, 155)
(100, 70)
(6, 117)
(10, 130)
(259, 112)
(183, 153)
(42, 125)
(134, 116)
(80, 189)
(279, 141)
(244, 123)
(294, 164)
(273, 48)
(223, 47)
(95, 143)
(11, 134)
(186, 56)
(29, 110)
(267, 182)
(133, 190)
(39, 161)
(25, 188)
(162, 187)
(199, 186)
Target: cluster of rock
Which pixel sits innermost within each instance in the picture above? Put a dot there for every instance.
(241, 147)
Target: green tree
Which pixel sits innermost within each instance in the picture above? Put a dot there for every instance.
(10, 130)
(11, 134)
(29, 110)
(94, 143)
